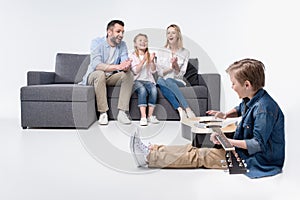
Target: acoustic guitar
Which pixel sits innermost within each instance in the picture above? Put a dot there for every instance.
(225, 130)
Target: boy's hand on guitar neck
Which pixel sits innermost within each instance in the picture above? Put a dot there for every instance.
(213, 138)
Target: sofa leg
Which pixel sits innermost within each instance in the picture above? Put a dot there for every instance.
(24, 127)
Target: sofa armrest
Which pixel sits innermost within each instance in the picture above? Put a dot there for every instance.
(40, 78)
(213, 83)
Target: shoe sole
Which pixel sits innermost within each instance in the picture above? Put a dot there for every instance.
(103, 123)
(133, 151)
(124, 122)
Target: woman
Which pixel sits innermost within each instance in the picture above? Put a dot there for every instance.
(172, 62)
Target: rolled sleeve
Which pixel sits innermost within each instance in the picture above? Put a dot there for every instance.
(253, 146)
(123, 52)
(96, 57)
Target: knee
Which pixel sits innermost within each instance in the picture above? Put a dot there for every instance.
(127, 76)
(99, 73)
(142, 90)
(97, 76)
(154, 91)
(169, 81)
(161, 81)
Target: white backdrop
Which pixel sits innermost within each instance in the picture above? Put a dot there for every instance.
(33, 31)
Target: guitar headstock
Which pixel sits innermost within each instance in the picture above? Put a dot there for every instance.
(235, 164)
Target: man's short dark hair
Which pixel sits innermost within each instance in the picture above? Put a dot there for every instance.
(113, 22)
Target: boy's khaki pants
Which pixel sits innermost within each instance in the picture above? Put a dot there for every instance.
(185, 156)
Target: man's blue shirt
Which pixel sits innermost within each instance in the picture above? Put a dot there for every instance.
(99, 53)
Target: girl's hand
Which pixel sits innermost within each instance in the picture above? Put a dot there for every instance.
(152, 57)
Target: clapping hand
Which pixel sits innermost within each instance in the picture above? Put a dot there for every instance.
(125, 65)
(152, 57)
(174, 61)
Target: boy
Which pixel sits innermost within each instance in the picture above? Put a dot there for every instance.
(259, 137)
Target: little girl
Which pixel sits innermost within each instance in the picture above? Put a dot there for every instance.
(143, 67)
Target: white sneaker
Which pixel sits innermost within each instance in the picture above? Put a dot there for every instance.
(152, 119)
(103, 119)
(190, 113)
(138, 149)
(123, 118)
(182, 113)
(143, 121)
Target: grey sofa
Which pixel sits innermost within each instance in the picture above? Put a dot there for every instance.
(55, 100)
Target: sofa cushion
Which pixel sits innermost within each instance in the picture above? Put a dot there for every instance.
(191, 74)
(58, 92)
(70, 68)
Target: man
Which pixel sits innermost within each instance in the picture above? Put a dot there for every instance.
(259, 137)
(110, 66)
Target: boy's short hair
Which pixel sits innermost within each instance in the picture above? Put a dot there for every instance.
(248, 70)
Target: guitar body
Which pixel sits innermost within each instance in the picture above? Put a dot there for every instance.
(203, 129)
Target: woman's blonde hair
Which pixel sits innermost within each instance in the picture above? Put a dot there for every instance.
(177, 29)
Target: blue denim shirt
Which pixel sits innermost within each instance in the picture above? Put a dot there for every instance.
(100, 53)
(262, 127)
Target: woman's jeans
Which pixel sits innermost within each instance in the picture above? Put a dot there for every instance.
(170, 90)
(145, 90)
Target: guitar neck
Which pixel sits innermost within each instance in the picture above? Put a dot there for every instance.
(234, 163)
(227, 146)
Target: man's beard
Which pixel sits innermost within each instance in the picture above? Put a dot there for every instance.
(115, 41)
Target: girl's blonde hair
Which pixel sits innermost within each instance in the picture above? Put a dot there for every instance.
(136, 51)
(177, 29)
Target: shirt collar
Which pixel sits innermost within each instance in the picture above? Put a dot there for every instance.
(256, 97)
(108, 46)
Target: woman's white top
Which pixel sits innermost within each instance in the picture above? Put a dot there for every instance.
(164, 56)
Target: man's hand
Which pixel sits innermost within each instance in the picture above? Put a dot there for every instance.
(125, 65)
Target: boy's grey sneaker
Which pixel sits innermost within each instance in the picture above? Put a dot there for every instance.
(123, 118)
(138, 149)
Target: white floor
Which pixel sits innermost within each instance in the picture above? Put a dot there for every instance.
(93, 164)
